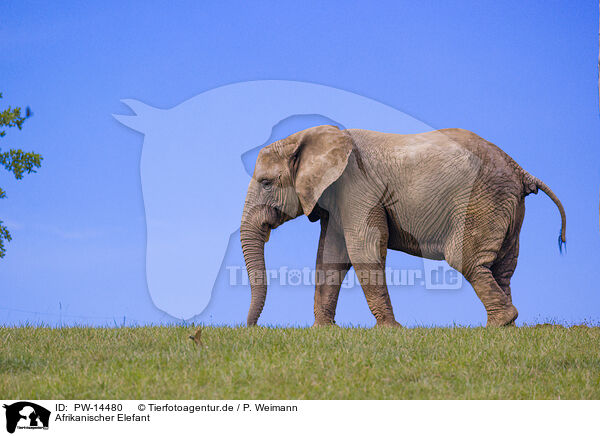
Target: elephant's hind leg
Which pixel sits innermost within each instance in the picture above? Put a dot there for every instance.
(500, 310)
(506, 263)
(504, 268)
(473, 253)
(332, 265)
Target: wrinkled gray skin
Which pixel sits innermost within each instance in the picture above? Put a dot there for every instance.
(447, 194)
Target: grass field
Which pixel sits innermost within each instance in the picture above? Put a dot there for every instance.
(543, 362)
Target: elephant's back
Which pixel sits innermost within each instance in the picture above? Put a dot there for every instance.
(441, 141)
(430, 152)
(450, 152)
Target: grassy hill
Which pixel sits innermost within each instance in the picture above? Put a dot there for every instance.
(541, 362)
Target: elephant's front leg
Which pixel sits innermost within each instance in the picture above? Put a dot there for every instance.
(332, 265)
(367, 239)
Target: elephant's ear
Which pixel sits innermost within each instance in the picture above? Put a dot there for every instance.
(319, 160)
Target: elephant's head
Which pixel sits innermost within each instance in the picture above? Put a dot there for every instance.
(289, 178)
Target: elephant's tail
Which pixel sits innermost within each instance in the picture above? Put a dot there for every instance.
(531, 185)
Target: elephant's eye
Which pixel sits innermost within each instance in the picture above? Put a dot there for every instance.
(266, 183)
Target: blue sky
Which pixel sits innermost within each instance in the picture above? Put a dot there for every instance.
(521, 74)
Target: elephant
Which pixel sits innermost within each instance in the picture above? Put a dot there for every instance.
(444, 195)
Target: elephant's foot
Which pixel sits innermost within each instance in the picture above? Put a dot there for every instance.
(324, 323)
(503, 317)
(388, 323)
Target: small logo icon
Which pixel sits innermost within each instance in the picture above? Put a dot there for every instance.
(26, 415)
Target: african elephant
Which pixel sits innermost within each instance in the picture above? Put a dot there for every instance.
(445, 195)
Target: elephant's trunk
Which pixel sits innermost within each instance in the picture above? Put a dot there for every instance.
(254, 232)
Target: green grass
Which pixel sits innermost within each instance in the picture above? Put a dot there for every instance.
(327, 363)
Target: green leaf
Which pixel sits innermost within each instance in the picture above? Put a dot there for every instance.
(15, 161)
